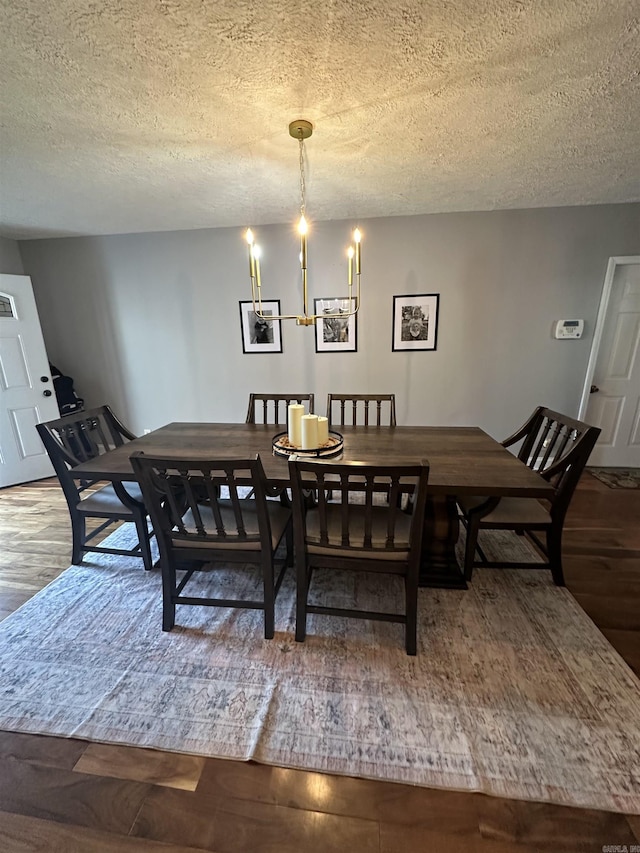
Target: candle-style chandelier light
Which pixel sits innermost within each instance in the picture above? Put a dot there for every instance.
(344, 306)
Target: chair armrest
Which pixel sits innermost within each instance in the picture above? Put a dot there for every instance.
(126, 433)
(477, 507)
(524, 430)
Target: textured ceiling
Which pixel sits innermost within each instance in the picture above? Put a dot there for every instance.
(150, 115)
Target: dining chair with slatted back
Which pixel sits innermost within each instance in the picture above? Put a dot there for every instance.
(196, 527)
(363, 536)
(361, 409)
(74, 439)
(273, 408)
(558, 448)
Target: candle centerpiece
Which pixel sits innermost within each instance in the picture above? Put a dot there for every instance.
(309, 432)
(295, 413)
(307, 436)
(323, 431)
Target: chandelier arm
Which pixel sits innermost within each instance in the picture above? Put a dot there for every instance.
(256, 298)
(257, 306)
(269, 317)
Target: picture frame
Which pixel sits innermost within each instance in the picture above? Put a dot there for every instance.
(260, 336)
(415, 322)
(335, 334)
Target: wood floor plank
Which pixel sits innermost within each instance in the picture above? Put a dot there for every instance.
(549, 827)
(417, 839)
(16, 578)
(20, 834)
(36, 790)
(58, 752)
(338, 795)
(229, 825)
(598, 575)
(634, 823)
(43, 547)
(11, 600)
(169, 769)
(611, 612)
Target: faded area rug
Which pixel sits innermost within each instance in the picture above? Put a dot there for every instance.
(618, 478)
(514, 692)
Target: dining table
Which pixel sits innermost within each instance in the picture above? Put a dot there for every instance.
(463, 460)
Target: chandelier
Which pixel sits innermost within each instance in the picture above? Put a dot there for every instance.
(343, 307)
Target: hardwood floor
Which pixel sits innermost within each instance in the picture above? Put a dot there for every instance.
(71, 796)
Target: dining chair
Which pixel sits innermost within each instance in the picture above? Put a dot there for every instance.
(74, 439)
(195, 527)
(362, 537)
(273, 408)
(364, 409)
(353, 409)
(557, 447)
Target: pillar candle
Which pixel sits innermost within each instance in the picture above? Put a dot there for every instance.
(294, 431)
(323, 431)
(309, 432)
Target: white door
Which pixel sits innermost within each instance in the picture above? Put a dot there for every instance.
(615, 405)
(27, 396)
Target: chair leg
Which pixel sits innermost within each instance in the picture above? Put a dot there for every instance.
(269, 600)
(289, 545)
(473, 529)
(168, 593)
(554, 553)
(142, 529)
(79, 534)
(411, 605)
(302, 592)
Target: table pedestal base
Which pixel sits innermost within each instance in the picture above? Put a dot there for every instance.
(439, 565)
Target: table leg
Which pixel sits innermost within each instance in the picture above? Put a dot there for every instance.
(439, 565)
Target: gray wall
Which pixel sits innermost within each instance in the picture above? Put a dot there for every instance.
(150, 322)
(10, 260)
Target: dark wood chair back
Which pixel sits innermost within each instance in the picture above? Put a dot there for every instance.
(364, 530)
(364, 409)
(272, 408)
(74, 439)
(558, 448)
(195, 523)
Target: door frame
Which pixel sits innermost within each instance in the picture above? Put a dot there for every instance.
(614, 263)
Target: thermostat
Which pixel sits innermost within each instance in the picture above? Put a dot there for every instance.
(565, 329)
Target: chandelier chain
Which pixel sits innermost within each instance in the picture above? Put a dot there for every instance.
(302, 177)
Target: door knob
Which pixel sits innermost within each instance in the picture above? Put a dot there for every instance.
(594, 389)
(46, 393)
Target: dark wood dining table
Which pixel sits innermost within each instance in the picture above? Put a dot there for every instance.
(462, 460)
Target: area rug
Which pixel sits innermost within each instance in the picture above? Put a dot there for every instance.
(514, 692)
(618, 478)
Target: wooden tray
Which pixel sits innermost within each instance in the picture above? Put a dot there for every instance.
(333, 447)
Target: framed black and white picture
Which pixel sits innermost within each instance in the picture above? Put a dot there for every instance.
(335, 333)
(260, 334)
(415, 322)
